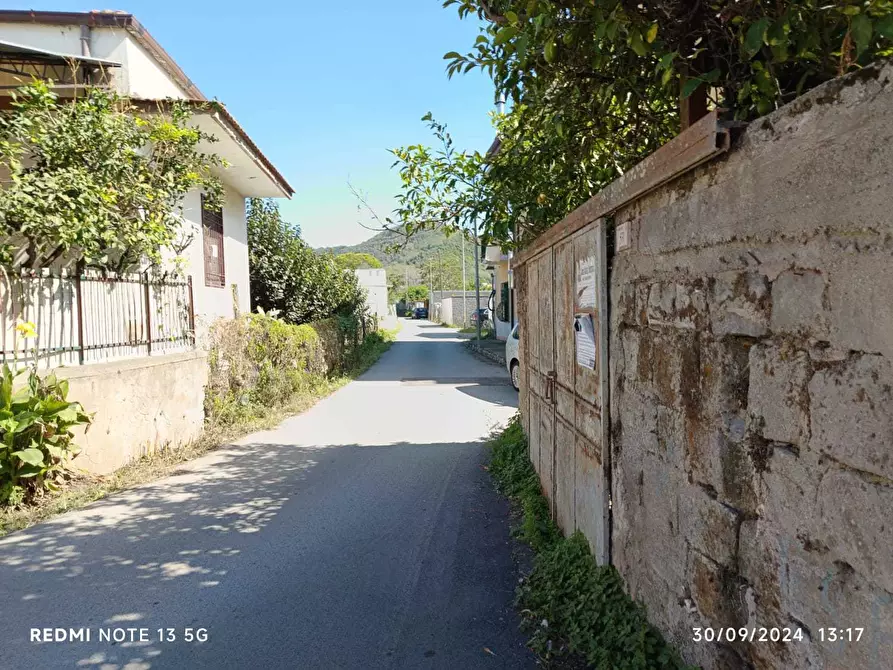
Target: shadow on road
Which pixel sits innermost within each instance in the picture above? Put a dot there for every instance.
(289, 556)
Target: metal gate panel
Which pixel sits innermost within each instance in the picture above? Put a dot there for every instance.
(592, 493)
(565, 364)
(590, 498)
(586, 380)
(565, 480)
(546, 337)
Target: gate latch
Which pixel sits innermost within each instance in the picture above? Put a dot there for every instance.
(550, 385)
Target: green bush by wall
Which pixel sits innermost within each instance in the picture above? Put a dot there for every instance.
(257, 362)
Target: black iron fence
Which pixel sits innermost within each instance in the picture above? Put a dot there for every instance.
(72, 318)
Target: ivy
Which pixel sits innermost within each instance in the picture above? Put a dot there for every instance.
(96, 179)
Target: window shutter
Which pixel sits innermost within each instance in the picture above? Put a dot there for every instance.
(212, 234)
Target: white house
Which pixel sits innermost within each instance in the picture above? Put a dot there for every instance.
(375, 281)
(115, 48)
(146, 382)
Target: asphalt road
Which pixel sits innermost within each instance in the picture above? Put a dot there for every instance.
(361, 534)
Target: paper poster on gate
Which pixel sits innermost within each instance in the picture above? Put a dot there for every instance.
(585, 288)
(584, 336)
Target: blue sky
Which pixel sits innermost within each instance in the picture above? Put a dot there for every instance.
(324, 89)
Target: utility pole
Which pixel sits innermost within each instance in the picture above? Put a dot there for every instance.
(464, 305)
(431, 279)
(477, 279)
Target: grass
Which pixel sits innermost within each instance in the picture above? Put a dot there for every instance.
(472, 330)
(84, 489)
(577, 612)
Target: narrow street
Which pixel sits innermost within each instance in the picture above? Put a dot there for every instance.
(363, 533)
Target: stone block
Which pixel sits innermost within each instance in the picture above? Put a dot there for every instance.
(740, 304)
(676, 305)
(850, 411)
(638, 420)
(860, 286)
(799, 304)
(647, 518)
(718, 592)
(858, 526)
(777, 394)
(709, 526)
(623, 300)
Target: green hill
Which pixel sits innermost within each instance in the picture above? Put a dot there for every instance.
(426, 256)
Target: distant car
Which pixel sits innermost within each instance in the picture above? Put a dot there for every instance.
(420, 313)
(512, 357)
(483, 314)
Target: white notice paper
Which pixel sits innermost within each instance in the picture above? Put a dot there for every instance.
(584, 333)
(586, 283)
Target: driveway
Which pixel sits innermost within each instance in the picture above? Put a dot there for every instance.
(363, 533)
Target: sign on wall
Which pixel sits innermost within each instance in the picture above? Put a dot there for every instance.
(586, 313)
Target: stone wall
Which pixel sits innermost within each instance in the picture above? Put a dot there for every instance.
(751, 377)
(139, 405)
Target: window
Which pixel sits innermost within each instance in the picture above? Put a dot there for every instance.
(212, 234)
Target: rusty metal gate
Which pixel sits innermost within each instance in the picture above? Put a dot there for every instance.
(564, 379)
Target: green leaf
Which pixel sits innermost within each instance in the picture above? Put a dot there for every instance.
(505, 35)
(862, 31)
(884, 27)
(651, 35)
(5, 392)
(452, 55)
(637, 43)
(31, 456)
(511, 17)
(756, 35)
(550, 51)
(690, 86)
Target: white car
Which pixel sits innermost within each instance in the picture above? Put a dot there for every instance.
(513, 357)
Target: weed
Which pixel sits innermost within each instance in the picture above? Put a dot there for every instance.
(575, 609)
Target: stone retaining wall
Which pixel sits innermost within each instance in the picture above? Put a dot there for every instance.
(752, 378)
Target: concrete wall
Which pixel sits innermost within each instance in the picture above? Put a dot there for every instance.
(139, 75)
(751, 375)
(454, 311)
(211, 302)
(375, 281)
(140, 405)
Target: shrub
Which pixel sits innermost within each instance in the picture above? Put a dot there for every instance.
(36, 442)
(257, 362)
(288, 276)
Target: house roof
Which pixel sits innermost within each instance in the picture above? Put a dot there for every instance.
(13, 49)
(195, 98)
(109, 19)
(219, 111)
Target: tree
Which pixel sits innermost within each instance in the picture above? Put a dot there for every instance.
(357, 261)
(595, 87)
(417, 293)
(96, 179)
(287, 276)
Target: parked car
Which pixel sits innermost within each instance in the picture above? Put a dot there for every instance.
(483, 314)
(420, 313)
(512, 356)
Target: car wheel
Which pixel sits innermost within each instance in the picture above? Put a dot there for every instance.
(516, 375)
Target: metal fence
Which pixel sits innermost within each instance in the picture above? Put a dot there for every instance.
(90, 317)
